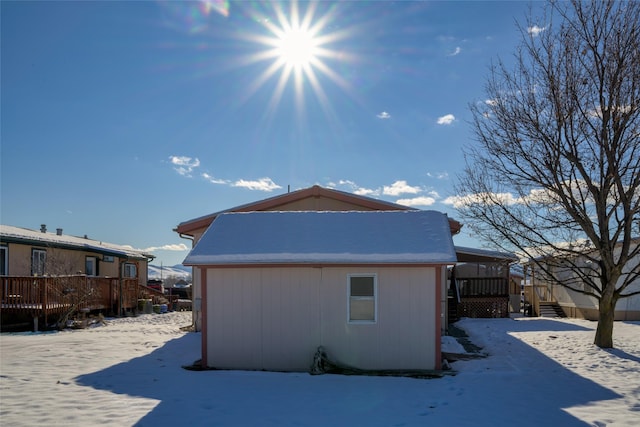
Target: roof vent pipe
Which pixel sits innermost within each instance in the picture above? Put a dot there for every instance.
(59, 231)
(43, 228)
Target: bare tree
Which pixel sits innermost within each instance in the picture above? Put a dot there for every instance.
(70, 283)
(556, 170)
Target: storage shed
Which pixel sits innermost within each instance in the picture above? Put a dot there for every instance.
(369, 287)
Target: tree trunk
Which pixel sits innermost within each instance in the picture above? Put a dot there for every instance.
(604, 331)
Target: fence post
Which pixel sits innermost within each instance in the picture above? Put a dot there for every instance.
(120, 298)
(44, 300)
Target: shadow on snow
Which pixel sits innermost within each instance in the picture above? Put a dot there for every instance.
(529, 392)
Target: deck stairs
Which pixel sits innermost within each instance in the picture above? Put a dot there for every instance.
(551, 309)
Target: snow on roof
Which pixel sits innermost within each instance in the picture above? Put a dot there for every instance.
(348, 237)
(11, 233)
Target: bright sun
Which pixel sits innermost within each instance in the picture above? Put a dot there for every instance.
(298, 48)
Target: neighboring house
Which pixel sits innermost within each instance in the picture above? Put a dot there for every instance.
(543, 290)
(46, 276)
(26, 252)
(484, 284)
(369, 287)
(314, 198)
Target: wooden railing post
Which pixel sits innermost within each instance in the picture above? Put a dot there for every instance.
(45, 291)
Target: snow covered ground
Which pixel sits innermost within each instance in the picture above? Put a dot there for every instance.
(540, 372)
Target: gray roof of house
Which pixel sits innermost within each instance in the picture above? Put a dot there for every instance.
(10, 233)
(312, 237)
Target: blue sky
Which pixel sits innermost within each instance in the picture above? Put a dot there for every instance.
(122, 119)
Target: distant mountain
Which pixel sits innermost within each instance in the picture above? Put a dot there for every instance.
(179, 271)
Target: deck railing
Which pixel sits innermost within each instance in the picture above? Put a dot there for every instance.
(483, 287)
(42, 296)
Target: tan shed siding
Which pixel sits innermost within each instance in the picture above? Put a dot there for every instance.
(290, 317)
(234, 318)
(405, 319)
(262, 318)
(275, 318)
(319, 204)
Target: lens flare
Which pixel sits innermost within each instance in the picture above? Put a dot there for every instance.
(193, 17)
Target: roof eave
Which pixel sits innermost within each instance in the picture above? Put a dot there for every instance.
(78, 247)
(319, 264)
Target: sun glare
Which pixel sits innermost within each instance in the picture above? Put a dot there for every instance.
(299, 48)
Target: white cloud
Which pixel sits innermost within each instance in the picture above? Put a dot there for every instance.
(417, 201)
(184, 165)
(183, 171)
(184, 161)
(597, 112)
(399, 187)
(171, 247)
(446, 119)
(535, 30)
(384, 115)
(481, 198)
(347, 183)
(535, 196)
(214, 180)
(438, 175)
(262, 184)
(456, 51)
(360, 191)
(353, 188)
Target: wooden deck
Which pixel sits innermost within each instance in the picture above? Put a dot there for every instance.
(486, 297)
(41, 297)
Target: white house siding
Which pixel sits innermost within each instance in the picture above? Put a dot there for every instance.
(275, 318)
(580, 305)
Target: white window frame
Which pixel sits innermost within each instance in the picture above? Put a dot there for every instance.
(126, 270)
(38, 262)
(355, 298)
(93, 262)
(4, 256)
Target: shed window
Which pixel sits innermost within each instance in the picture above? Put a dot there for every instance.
(362, 298)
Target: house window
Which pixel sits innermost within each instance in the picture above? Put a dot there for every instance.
(4, 260)
(362, 298)
(38, 261)
(129, 270)
(91, 266)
